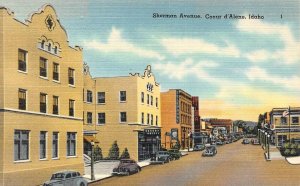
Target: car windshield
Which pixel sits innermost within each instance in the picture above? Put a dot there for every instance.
(58, 176)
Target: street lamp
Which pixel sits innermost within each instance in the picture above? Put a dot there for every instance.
(266, 134)
(92, 161)
(258, 131)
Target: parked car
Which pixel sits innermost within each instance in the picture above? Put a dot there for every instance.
(66, 178)
(126, 167)
(210, 150)
(255, 142)
(219, 142)
(160, 157)
(175, 154)
(198, 147)
(245, 141)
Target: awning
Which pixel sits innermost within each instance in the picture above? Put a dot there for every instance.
(90, 139)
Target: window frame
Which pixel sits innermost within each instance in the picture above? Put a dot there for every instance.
(53, 105)
(71, 108)
(122, 114)
(25, 100)
(295, 123)
(57, 145)
(71, 76)
(43, 105)
(89, 96)
(101, 120)
(100, 100)
(89, 117)
(69, 142)
(45, 70)
(54, 74)
(123, 98)
(143, 118)
(45, 145)
(20, 142)
(20, 62)
(142, 97)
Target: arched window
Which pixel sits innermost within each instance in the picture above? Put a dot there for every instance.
(55, 50)
(49, 47)
(43, 44)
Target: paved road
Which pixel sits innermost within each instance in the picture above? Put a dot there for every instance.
(234, 165)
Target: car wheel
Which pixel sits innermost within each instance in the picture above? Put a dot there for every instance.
(81, 184)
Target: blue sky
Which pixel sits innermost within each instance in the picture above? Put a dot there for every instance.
(238, 68)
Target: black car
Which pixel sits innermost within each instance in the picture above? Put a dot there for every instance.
(210, 151)
(126, 167)
(175, 154)
(245, 141)
(199, 147)
(160, 157)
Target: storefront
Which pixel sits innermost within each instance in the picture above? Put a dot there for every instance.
(149, 142)
(283, 135)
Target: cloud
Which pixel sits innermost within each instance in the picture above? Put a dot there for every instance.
(193, 46)
(116, 43)
(185, 68)
(257, 73)
(289, 54)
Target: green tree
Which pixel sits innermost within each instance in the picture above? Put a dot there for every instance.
(98, 153)
(114, 151)
(125, 154)
(260, 121)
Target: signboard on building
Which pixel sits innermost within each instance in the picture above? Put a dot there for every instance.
(177, 107)
(174, 134)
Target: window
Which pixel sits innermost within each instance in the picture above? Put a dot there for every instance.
(55, 71)
(122, 95)
(71, 143)
(43, 44)
(22, 99)
(283, 121)
(156, 102)
(55, 50)
(71, 76)
(21, 145)
(89, 117)
(89, 96)
(71, 107)
(43, 67)
(55, 145)
(101, 97)
(148, 118)
(22, 60)
(142, 97)
(43, 144)
(142, 119)
(151, 100)
(43, 102)
(148, 99)
(151, 119)
(55, 105)
(156, 120)
(295, 120)
(123, 117)
(101, 118)
(49, 47)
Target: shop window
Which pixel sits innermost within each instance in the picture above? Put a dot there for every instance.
(21, 145)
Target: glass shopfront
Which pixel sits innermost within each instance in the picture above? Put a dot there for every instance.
(149, 142)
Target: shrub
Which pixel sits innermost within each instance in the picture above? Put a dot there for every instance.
(98, 153)
(293, 145)
(287, 145)
(287, 152)
(114, 151)
(293, 152)
(125, 154)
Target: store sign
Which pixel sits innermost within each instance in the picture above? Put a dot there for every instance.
(177, 107)
(152, 131)
(174, 134)
(283, 130)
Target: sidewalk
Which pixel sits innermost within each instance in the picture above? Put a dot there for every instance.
(104, 169)
(293, 160)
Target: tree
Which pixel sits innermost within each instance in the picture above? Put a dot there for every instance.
(114, 151)
(125, 154)
(260, 121)
(98, 153)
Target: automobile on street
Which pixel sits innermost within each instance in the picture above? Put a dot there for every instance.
(66, 178)
(160, 157)
(175, 154)
(210, 150)
(245, 141)
(126, 167)
(199, 147)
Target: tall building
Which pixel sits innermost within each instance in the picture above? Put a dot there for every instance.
(124, 109)
(195, 104)
(284, 124)
(176, 108)
(40, 99)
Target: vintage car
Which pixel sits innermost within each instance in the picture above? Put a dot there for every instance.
(245, 141)
(219, 142)
(255, 142)
(66, 178)
(126, 167)
(210, 150)
(175, 154)
(199, 147)
(160, 157)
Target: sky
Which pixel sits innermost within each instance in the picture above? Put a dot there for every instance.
(238, 68)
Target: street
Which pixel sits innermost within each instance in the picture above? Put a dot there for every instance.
(234, 164)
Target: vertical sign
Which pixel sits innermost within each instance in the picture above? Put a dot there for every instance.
(177, 107)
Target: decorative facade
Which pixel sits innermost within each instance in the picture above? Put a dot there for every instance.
(40, 99)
